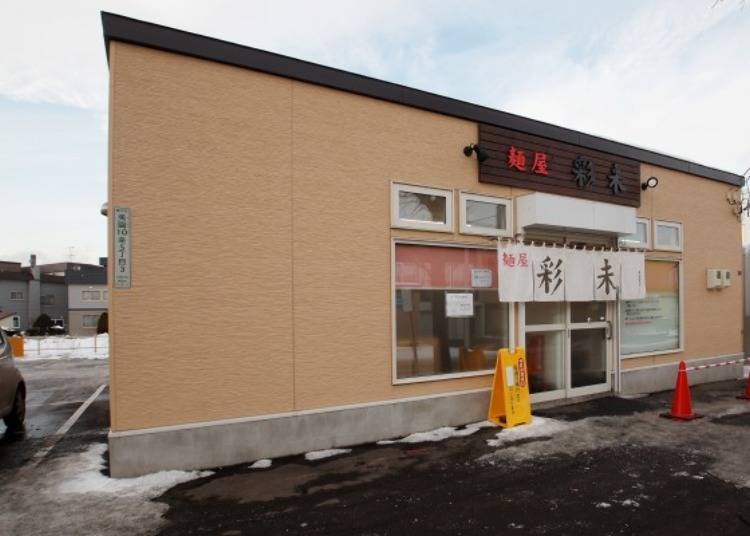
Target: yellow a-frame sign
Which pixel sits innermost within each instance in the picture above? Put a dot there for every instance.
(509, 400)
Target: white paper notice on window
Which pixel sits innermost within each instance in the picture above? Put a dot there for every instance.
(481, 278)
(459, 304)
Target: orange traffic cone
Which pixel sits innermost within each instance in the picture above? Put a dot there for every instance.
(746, 394)
(681, 405)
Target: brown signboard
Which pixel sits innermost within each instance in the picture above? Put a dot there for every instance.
(536, 163)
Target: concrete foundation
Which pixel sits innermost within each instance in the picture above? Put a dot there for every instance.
(204, 445)
(233, 441)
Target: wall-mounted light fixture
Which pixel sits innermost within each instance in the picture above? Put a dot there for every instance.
(651, 182)
(474, 148)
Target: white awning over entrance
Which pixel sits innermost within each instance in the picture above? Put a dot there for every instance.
(570, 213)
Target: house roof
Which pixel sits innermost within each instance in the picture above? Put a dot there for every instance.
(86, 276)
(23, 275)
(6, 315)
(128, 30)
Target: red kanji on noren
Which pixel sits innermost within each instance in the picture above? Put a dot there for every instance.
(540, 164)
(509, 259)
(516, 159)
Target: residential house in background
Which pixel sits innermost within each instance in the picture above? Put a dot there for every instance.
(19, 294)
(87, 298)
(72, 294)
(85, 293)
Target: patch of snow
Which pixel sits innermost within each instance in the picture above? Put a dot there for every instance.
(90, 479)
(633, 396)
(681, 473)
(698, 477)
(734, 410)
(603, 505)
(630, 502)
(439, 434)
(539, 427)
(265, 463)
(327, 453)
(66, 347)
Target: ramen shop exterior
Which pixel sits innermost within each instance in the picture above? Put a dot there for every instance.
(365, 249)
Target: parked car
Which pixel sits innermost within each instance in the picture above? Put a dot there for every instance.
(12, 388)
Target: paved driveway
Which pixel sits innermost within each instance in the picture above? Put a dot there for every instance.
(607, 466)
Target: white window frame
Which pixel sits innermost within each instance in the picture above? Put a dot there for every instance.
(16, 320)
(451, 375)
(465, 228)
(673, 224)
(396, 221)
(639, 245)
(680, 311)
(83, 321)
(17, 293)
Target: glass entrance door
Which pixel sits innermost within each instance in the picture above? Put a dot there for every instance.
(590, 335)
(568, 348)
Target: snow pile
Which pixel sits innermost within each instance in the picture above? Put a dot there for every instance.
(320, 454)
(439, 434)
(265, 463)
(539, 427)
(66, 347)
(89, 478)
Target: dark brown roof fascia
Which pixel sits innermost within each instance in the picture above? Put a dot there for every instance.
(125, 29)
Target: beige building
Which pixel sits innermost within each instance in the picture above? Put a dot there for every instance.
(346, 249)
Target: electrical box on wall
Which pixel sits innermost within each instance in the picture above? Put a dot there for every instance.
(726, 280)
(714, 278)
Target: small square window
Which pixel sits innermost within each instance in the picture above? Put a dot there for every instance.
(485, 215)
(89, 321)
(667, 236)
(16, 295)
(418, 207)
(642, 236)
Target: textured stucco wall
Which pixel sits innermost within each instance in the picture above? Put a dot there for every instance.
(711, 239)
(262, 204)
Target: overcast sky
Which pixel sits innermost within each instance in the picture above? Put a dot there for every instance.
(669, 75)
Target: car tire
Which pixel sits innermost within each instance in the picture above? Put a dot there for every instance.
(14, 420)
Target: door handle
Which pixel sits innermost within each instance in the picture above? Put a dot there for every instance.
(608, 331)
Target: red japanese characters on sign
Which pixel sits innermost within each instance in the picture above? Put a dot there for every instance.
(517, 161)
(509, 259)
(539, 166)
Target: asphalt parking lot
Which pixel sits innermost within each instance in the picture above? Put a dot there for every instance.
(606, 466)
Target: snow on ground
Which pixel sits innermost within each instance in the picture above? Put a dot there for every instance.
(439, 434)
(66, 347)
(539, 427)
(88, 478)
(70, 495)
(327, 453)
(265, 463)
